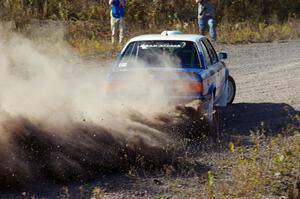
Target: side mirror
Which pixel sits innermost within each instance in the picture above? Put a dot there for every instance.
(222, 55)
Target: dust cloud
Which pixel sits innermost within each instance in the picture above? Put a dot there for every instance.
(58, 122)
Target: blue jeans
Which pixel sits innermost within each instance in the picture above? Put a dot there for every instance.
(212, 23)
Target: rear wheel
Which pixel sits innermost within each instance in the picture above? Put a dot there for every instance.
(214, 126)
(231, 89)
(213, 119)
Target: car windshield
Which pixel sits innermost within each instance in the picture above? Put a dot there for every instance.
(179, 54)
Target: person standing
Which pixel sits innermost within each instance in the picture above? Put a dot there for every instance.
(117, 19)
(207, 11)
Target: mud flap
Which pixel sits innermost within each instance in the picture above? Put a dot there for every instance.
(209, 115)
(212, 116)
(222, 101)
(210, 111)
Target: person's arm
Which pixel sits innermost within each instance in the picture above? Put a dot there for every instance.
(110, 2)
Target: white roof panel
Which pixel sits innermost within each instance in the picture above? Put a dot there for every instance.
(175, 37)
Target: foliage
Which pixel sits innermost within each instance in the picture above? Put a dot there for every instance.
(80, 37)
(269, 168)
(149, 14)
(97, 193)
(87, 22)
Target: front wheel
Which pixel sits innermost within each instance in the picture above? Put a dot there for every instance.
(231, 89)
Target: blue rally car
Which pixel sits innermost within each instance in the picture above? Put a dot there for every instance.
(195, 71)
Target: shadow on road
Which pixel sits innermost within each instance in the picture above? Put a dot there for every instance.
(273, 118)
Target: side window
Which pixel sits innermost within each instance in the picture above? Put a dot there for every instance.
(206, 56)
(128, 55)
(128, 50)
(196, 58)
(211, 51)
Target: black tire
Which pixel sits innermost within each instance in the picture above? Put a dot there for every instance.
(231, 85)
(215, 125)
(212, 123)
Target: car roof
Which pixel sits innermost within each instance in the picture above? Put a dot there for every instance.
(172, 37)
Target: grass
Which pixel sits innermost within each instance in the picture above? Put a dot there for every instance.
(269, 168)
(92, 38)
(101, 49)
(97, 193)
(90, 41)
(249, 33)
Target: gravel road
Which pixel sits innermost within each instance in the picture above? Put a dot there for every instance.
(266, 72)
(268, 85)
(268, 96)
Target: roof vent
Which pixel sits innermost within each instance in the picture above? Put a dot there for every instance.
(171, 32)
